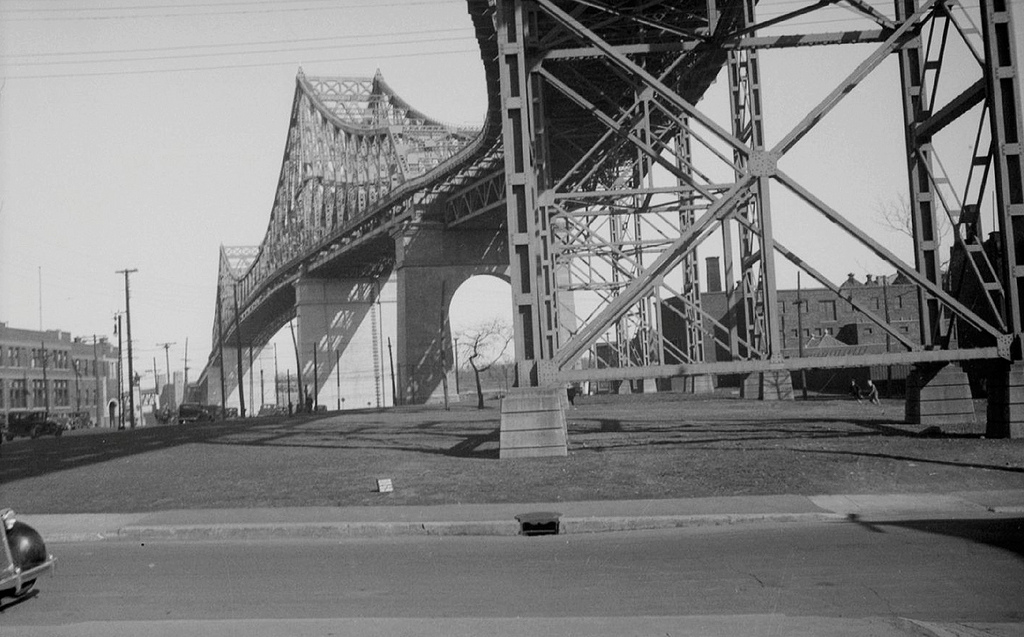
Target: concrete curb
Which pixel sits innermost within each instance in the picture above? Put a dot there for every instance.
(646, 523)
(509, 520)
(492, 528)
(326, 530)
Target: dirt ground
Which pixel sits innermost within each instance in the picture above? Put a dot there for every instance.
(620, 447)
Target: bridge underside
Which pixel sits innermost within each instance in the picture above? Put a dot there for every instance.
(600, 179)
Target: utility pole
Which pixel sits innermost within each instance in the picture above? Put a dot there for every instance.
(184, 394)
(46, 384)
(391, 360)
(156, 388)
(252, 377)
(96, 373)
(220, 348)
(238, 359)
(289, 373)
(120, 382)
(337, 375)
(167, 361)
(131, 369)
(456, 353)
(298, 367)
(800, 330)
(78, 385)
(277, 391)
(888, 335)
(316, 380)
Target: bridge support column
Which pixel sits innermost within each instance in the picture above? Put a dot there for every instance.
(430, 264)
(940, 395)
(343, 331)
(1006, 401)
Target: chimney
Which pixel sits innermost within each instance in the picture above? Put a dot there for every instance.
(714, 272)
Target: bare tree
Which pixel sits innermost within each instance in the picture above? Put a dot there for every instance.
(896, 214)
(482, 346)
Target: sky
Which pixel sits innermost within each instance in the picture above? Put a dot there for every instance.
(145, 134)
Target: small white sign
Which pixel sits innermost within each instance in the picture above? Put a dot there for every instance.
(384, 485)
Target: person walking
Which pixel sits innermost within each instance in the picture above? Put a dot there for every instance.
(854, 390)
(872, 393)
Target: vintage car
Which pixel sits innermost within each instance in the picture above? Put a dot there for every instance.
(23, 556)
(270, 409)
(32, 424)
(195, 412)
(77, 420)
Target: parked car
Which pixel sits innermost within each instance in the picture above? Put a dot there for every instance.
(79, 420)
(273, 410)
(194, 412)
(31, 424)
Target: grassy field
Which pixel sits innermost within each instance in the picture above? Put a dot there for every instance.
(624, 447)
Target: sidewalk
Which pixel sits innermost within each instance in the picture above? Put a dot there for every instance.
(501, 519)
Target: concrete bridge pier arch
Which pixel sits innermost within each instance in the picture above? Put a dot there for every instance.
(431, 262)
(342, 332)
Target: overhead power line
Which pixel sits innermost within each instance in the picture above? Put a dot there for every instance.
(187, 47)
(177, 13)
(362, 45)
(415, 54)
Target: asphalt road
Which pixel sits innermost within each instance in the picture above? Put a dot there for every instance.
(944, 571)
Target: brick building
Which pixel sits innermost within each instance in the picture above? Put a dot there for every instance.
(53, 371)
(824, 323)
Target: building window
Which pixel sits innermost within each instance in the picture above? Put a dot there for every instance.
(904, 329)
(828, 310)
(876, 303)
(899, 301)
(60, 393)
(869, 330)
(39, 393)
(828, 330)
(795, 333)
(19, 394)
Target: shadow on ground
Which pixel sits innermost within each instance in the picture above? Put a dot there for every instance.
(600, 427)
(1003, 533)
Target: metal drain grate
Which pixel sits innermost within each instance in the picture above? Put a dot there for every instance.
(538, 523)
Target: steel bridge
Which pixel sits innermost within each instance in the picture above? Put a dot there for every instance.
(595, 176)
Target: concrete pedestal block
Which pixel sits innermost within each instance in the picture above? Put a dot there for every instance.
(700, 384)
(1005, 412)
(776, 385)
(750, 388)
(940, 396)
(533, 423)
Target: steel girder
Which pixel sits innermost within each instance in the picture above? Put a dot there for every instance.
(582, 78)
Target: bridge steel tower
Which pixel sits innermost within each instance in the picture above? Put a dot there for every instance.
(598, 100)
